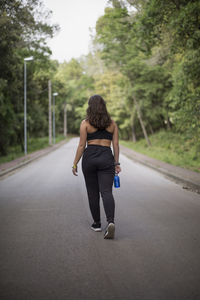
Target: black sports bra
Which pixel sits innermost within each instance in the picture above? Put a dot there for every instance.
(100, 134)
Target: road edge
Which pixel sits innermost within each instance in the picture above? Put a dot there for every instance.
(187, 184)
(26, 162)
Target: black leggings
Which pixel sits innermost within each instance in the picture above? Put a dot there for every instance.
(99, 171)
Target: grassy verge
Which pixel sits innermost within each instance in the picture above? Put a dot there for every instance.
(34, 144)
(169, 147)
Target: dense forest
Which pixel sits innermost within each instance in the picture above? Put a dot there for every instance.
(144, 61)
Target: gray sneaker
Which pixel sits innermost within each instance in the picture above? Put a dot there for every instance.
(110, 231)
(96, 227)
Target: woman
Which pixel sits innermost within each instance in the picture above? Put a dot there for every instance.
(98, 163)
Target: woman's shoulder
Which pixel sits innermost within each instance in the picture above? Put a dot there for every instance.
(113, 124)
(111, 127)
(85, 123)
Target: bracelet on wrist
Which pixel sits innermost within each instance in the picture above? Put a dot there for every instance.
(74, 166)
(117, 164)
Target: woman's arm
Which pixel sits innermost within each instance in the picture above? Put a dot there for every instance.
(115, 142)
(81, 146)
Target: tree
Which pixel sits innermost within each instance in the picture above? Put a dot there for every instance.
(75, 87)
(115, 32)
(174, 26)
(23, 31)
(156, 46)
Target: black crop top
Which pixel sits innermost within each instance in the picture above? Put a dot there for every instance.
(100, 134)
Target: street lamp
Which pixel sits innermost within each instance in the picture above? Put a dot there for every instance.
(65, 118)
(25, 125)
(54, 131)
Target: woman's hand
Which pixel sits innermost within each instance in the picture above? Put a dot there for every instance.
(75, 170)
(117, 169)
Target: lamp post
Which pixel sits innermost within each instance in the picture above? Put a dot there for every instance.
(65, 119)
(54, 131)
(25, 106)
(50, 113)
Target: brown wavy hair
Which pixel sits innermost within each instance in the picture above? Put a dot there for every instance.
(97, 113)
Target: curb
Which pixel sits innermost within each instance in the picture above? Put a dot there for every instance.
(19, 165)
(188, 184)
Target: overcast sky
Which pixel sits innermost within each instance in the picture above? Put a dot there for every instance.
(75, 17)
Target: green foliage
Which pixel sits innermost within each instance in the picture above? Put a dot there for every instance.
(149, 49)
(23, 30)
(117, 32)
(75, 87)
(157, 47)
(177, 22)
(34, 144)
(170, 147)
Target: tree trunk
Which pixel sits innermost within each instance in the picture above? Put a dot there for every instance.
(141, 121)
(133, 127)
(151, 129)
(133, 134)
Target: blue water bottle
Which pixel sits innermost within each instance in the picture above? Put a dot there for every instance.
(116, 181)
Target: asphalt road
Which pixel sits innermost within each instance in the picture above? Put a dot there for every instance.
(49, 252)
